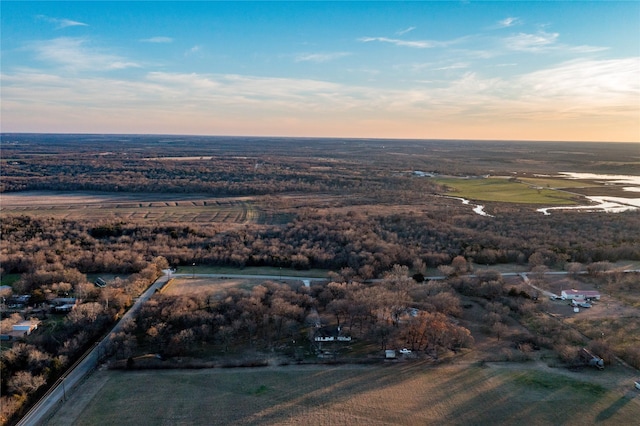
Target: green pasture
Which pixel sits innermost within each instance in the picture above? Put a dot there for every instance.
(505, 191)
(9, 279)
(543, 182)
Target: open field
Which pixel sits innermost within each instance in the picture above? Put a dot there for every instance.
(149, 207)
(504, 190)
(551, 182)
(401, 393)
(205, 286)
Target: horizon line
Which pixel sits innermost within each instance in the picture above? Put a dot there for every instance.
(2, 133)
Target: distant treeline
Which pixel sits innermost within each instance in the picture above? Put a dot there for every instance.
(257, 166)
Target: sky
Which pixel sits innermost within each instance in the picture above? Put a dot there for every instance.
(544, 70)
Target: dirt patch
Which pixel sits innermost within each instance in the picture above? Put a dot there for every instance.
(206, 286)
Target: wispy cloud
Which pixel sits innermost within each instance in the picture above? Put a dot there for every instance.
(455, 66)
(508, 22)
(419, 44)
(76, 54)
(193, 50)
(159, 39)
(61, 22)
(584, 83)
(406, 30)
(531, 42)
(543, 41)
(320, 57)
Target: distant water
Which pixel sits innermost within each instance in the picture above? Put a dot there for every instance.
(605, 203)
(630, 179)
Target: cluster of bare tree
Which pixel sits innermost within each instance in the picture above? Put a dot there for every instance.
(394, 312)
(26, 367)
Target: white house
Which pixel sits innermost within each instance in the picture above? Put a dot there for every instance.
(331, 334)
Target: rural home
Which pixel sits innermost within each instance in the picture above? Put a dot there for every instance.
(330, 334)
(580, 294)
(64, 304)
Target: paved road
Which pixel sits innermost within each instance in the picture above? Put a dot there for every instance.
(261, 277)
(57, 394)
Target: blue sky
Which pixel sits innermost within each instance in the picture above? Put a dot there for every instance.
(456, 70)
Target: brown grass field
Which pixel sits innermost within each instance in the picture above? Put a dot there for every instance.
(152, 207)
(204, 286)
(402, 393)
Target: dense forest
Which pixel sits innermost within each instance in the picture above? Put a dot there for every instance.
(368, 243)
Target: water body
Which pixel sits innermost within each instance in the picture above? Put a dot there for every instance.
(478, 208)
(604, 203)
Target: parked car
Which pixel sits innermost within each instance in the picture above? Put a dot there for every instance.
(405, 351)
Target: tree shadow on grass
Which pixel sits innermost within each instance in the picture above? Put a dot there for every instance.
(610, 411)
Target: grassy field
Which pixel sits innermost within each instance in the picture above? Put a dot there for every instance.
(401, 394)
(151, 207)
(504, 190)
(556, 182)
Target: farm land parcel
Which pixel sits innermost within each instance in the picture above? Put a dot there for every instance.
(166, 208)
(505, 190)
(401, 393)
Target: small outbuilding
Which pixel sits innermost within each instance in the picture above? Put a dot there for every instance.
(25, 328)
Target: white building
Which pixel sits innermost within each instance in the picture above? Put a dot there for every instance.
(580, 294)
(25, 327)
